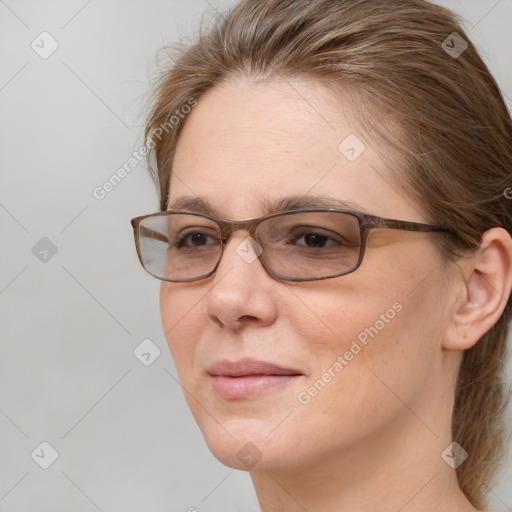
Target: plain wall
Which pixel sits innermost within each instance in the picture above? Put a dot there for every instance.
(70, 321)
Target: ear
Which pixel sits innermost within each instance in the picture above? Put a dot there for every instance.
(486, 278)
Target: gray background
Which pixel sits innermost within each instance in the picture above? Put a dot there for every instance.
(71, 320)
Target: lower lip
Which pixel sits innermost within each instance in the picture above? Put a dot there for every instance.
(251, 385)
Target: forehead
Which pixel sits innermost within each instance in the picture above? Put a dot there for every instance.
(249, 144)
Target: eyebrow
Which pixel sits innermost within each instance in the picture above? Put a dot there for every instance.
(294, 202)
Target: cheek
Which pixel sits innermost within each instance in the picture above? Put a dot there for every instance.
(344, 316)
(392, 368)
(369, 350)
(182, 320)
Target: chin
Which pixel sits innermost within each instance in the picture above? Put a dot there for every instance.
(246, 445)
(247, 455)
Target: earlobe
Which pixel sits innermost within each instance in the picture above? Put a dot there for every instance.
(487, 278)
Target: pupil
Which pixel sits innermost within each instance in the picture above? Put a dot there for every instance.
(198, 239)
(314, 240)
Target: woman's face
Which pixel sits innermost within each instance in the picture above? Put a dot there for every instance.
(364, 349)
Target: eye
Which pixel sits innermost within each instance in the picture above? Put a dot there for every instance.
(315, 240)
(193, 239)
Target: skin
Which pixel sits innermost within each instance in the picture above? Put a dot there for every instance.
(372, 438)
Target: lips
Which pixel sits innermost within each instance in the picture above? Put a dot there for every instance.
(249, 378)
(247, 367)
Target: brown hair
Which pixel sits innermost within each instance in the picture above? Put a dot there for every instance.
(440, 111)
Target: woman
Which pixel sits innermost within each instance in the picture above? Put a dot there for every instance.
(335, 252)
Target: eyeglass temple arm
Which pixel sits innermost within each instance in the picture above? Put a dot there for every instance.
(371, 221)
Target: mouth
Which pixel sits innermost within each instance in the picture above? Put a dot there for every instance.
(249, 378)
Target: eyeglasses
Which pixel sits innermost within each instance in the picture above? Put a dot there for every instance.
(295, 245)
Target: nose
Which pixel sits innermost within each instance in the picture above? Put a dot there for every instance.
(241, 292)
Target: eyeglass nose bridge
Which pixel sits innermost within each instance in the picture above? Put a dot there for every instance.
(228, 227)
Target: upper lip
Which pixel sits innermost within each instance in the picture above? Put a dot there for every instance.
(246, 366)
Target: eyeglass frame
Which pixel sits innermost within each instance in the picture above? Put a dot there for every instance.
(366, 222)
